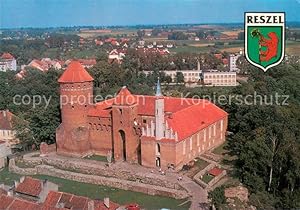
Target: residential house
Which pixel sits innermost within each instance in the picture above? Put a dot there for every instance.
(116, 55)
(8, 62)
(4, 152)
(7, 133)
(33, 189)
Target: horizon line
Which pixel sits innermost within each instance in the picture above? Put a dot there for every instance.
(128, 25)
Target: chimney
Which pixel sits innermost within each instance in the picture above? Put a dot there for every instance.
(91, 205)
(22, 179)
(106, 202)
(16, 184)
(4, 113)
(10, 193)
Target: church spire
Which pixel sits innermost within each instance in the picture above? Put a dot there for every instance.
(158, 88)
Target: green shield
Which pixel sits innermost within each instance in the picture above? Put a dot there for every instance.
(264, 44)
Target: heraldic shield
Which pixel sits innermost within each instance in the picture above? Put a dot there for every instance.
(264, 39)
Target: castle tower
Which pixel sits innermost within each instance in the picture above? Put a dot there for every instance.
(76, 95)
(126, 144)
(159, 112)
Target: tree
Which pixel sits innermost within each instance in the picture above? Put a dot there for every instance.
(217, 196)
(179, 77)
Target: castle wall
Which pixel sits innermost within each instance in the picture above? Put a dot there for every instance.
(125, 136)
(176, 154)
(100, 137)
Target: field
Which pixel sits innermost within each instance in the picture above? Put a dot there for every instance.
(99, 192)
(95, 33)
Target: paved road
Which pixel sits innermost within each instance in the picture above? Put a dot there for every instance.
(199, 195)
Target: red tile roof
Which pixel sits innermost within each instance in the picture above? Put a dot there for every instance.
(75, 202)
(12, 203)
(75, 73)
(6, 118)
(7, 56)
(215, 171)
(6, 201)
(185, 116)
(30, 186)
(124, 97)
(194, 118)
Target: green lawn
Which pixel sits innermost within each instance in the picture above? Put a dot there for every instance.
(97, 157)
(201, 164)
(207, 178)
(99, 192)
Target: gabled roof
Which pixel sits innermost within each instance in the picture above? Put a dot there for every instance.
(7, 56)
(11, 203)
(30, 186)
(124, 97)
(75, 73)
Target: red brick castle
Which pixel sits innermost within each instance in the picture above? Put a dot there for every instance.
(154, 131)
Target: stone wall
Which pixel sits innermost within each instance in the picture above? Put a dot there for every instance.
(91, 167)
(24, 171)
(99, 180)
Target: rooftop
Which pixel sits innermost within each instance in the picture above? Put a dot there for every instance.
(200, 113)
(7, 56)
(75, 73)
(30, 186)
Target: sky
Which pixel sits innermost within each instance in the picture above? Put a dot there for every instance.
(55, 13)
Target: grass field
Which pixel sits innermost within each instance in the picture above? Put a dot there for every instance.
(90, 33)
(207, 178)
(99, 192)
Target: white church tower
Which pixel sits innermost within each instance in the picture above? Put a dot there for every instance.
(159, 113)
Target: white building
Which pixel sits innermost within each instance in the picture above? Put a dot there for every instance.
(218, 78)
(192, 75)
(7, 62)
(117, 54)
(232, 62)
(4, 152)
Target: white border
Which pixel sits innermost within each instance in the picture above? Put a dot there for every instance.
(283, 39)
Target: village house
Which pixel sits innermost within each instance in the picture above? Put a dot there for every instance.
(43, 195)
(5, 151)
(7, 133)
(33, 189)
(116, 55)
(45, 64)
(8, 62)
(153, 131)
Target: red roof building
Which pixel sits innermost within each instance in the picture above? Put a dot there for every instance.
(154, 131)
(70, 201)
(7, 62)
(30, 186)
(7, 56)
(215, 171)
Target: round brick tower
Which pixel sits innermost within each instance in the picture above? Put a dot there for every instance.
(76, 95)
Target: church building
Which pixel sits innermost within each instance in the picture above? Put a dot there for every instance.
(153, 131)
